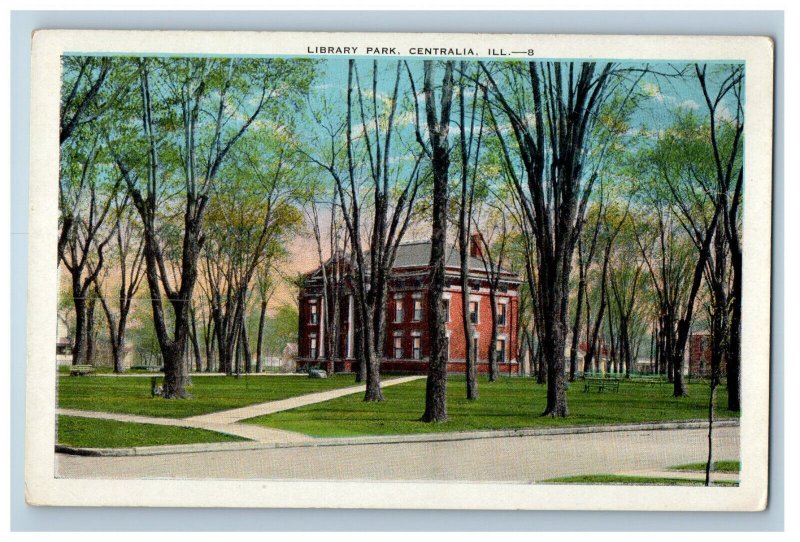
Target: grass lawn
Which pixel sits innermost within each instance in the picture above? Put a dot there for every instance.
(131, 395)
(619, 479)
(719, 466)
(507, 403)
(94, 433)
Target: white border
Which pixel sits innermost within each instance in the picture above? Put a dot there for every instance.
(41, 486)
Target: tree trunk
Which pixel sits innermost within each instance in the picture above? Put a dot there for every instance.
(119, 344)
(209, 342)
(464, 218)
(198, 360)
(262, 317)
(554, 357)
(436, 385)
(733, 354)
(493, 369)
(358, 343)
(576, 327)
(376, 333)
(371, 361)
(470, 360)
(248, 358)
(90, 335)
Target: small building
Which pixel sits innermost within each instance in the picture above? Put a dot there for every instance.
(407, 345)
(700, 354)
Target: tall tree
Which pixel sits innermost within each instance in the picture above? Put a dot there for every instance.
(470, 147)
(585, 252)
(437, 149)
(369, 171)
(696, 179)
(192, 112)
(552, 109)
(129, 264)
(251, 220)
(493, 238)
(86, 195)
(723, 94)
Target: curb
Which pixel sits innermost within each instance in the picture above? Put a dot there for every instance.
(389, 439)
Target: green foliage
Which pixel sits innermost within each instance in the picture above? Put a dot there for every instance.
(279, 330)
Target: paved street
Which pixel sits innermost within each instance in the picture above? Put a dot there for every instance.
(511, 459)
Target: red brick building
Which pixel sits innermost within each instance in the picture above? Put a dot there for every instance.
(700, 355)
(407, 345)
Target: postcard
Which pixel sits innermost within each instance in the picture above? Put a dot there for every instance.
(437, 271)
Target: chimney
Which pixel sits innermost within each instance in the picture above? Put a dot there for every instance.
(476, 245)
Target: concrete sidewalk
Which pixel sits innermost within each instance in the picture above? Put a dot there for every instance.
(275, 439)
(226, 421)
(238, 414)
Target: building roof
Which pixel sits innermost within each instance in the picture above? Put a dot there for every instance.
(414, 254)
(418, 254)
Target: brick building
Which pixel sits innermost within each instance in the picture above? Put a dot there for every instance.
(700, 355)
(407, 345)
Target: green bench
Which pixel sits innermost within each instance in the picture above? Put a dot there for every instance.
(601, 384)
(81, 370)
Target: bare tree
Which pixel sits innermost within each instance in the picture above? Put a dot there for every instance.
(391, 192)
(493, 255)
(470, 146)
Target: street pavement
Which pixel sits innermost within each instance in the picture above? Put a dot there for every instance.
(502, 459)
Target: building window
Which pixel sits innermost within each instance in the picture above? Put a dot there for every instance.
(501, 350)
(314, 320)
(417, 352)
(474, 310)
(398, 310)
(501, 318)
(398, 347)
(313, 350)
(417, 310)
(446, 305)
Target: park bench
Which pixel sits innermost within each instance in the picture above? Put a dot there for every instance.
(601, 384)
(81, 370)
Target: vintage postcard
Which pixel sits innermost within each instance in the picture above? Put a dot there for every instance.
(450, 271)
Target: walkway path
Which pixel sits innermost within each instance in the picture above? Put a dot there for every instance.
(226, 421)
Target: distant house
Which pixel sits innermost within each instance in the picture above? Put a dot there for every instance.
(64, 351)
(407, 346)
(700, 354)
